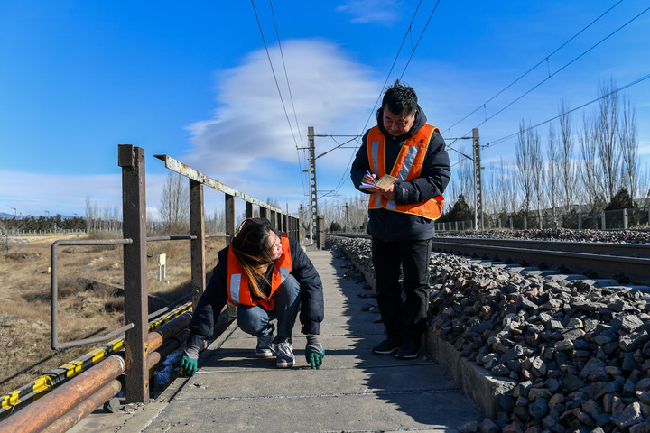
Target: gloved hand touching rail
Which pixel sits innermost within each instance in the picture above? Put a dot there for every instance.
(314, 352)
(189, 362)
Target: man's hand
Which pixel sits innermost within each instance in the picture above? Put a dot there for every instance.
(189, 362)
(388, 193)
(314, 352)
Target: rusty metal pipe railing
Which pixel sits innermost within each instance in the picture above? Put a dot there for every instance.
(156, 338)
(159, 354)
(172, 305)
(57, 403)
(54, 302)
(83, 409)
(55, 287)
(170, 238)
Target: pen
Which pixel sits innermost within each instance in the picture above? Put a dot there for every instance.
(370, 174)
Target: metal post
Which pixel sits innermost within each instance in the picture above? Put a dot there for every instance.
(625, 218)
(603, 220)
(230, 230)
(478, 189)
(197, 246)
(230, 216)
(320, 238)
(272, 219)
(312, 181)
(131, 159)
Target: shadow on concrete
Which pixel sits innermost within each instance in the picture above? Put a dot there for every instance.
(419, 388)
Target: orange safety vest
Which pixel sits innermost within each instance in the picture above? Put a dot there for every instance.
(408, 166)
(238, 291)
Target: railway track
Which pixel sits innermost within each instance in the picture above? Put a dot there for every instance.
(625, 263)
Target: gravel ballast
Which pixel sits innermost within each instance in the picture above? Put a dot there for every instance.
(576, 354)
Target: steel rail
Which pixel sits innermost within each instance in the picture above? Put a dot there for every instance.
(628, 250)
(624, 269)
(626, 263)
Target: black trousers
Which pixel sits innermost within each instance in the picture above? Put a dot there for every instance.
(404, 314)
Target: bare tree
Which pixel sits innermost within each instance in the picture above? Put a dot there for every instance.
(552, 170)
(568, 175)
(537, 166)
(605, 132)
(175, 204)
(629, 146)
(589, 171)
(524, 164)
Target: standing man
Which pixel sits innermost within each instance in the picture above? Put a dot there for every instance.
(401, 214)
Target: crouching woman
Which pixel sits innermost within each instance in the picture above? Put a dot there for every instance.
(270, 279)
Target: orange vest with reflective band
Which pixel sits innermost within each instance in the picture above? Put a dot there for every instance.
(238, 291)
(408, 166)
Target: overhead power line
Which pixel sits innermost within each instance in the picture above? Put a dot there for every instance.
(278, 86)
(372, 111)
(508, 137)
(419, 40)
(565, 66)
(545, 59)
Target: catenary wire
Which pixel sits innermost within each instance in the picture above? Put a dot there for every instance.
(268, 55)
(293, 108)
(545, 59)
(508, 137)
(563, 67)
(344, 177)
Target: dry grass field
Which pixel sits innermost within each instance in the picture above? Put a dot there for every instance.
(86, 306)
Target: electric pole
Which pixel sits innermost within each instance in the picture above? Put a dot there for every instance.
(478, 189)
(312, 183)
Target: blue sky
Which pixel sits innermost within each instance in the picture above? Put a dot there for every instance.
(193, 80)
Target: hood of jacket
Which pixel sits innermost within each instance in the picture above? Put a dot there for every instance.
(420, 121)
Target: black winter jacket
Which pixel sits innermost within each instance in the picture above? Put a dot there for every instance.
(215, 296)
(392, 226)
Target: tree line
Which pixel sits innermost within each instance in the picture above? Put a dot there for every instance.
(584, 166)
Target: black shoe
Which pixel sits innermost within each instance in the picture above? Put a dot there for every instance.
(387, 346)
(409, 350)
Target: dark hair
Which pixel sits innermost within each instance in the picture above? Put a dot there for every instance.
(250, 245)
(252, 237)
(400, 99)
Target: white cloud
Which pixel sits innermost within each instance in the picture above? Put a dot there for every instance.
(372, 11)
(329, 90)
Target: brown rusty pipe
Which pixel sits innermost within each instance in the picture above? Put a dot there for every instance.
(160, 335)
(57, 403)
(83, 409)
(167, 348)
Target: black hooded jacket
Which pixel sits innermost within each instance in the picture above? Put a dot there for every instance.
(392, 226)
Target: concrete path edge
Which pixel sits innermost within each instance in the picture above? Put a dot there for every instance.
(475, 381)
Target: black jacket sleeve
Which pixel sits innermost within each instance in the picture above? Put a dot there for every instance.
(311, 290)
(212, 301)
(360, 165)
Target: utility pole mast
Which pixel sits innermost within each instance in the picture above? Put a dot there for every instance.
(312, 183)
(478, 188)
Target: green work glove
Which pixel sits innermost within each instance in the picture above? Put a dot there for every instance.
(314, 352)
(189, 362)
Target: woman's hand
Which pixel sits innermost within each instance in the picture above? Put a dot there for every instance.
(314, 352)
(190, 361)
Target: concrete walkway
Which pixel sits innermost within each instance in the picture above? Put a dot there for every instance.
(354, 391)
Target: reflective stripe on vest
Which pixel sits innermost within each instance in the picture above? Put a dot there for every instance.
(408, 166)
(237, 283)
